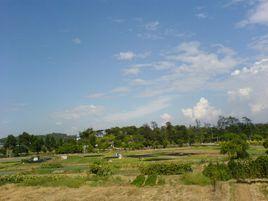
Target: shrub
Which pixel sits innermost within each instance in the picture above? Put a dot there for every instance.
(249, 168)
(151, 180)
(165, 169)
(235, 148)
(261, 167)
(69, 148)
(238, 169)
(53, 180)
(138, 181)
(195, 179)
(217, 171)
(265, 143)
(4, 179)
(161, 180)
(101, 168)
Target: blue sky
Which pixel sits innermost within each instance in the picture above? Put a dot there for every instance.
(68, 65)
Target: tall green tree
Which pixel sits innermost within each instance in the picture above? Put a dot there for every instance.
(10, 142)
(235, 148)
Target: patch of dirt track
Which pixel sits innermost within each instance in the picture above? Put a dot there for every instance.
(242, 192)
(247, 192)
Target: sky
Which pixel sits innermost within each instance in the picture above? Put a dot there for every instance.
(69, 65)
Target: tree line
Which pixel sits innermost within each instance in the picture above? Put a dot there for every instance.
(133, 137)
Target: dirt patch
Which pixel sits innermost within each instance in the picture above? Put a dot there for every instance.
(248, 192)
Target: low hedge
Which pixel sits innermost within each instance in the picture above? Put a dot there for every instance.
(165, 169)
(19, 178)
(218, 171)
(244, 169)
(101, 168)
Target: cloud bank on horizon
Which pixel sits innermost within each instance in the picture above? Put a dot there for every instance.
(101, 64)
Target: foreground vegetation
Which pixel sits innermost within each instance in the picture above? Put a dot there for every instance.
(168, 168)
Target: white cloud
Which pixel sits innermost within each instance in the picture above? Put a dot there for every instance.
(131, 71)
(118, 20)
(244, 91)
(260, 44)
(140, 82)
(198, 61)
(152, 26)
(187, 68)
(255, 95)
(96, 95)
(239, 93)
(258, 67)
(80, 111)
(256, 108)
(77, 41)
(201, 15)
(161, 65)
(202, 111)
(127, 56)
(135, 69)
(144, 55)
(235, 72)
(59, 123)
(237, 2)
(152, 107)
(190, 68)
(258, 15)
(120, 90)
(166, 117)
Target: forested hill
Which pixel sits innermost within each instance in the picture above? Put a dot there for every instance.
(57, 136)
(133, 137)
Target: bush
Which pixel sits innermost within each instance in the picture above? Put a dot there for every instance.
(265, 143)
(195, 179)
(249, 168)
(138, 181)
(30, 180)
(4, 179)
(218, 172)
(101, 168)
(235, 148)
(239, 169)
(165, 169)
(151, 180)
(261, 167)
(69, 148)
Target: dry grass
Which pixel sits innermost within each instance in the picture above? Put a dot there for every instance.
(242, 192)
